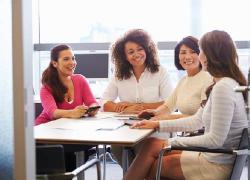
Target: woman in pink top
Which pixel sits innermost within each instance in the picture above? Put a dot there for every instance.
(64, 94)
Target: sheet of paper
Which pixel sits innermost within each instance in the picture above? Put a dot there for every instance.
(110, 125)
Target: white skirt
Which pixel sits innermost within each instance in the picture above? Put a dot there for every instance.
(195, 167)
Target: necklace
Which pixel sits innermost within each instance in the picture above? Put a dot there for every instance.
(68, 97)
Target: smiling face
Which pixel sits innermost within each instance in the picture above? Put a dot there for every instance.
(66, 63)
(189, 59)
(135, 54)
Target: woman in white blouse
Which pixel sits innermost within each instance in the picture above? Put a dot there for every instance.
(139, 81)
(223, 115)
(190, 90)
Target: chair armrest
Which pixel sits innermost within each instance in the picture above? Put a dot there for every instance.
(202, 149)
(58, 176)
(70, 175)
(169, 148)
(85, 166)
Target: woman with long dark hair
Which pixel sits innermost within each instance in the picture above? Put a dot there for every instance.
(223, 115)
(64, 94)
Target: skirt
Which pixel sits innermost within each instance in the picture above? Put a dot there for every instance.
(195, 167)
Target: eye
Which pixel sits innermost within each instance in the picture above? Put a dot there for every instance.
(130, 52)
(182, 52)
(140, 49)
(66, 58)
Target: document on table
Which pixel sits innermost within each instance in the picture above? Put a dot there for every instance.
(110, 125)
(91, 124)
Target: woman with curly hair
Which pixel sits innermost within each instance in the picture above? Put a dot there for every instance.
(139, 82)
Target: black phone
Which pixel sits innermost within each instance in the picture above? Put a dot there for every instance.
(146, 115)
(135, 118)
(92, 108)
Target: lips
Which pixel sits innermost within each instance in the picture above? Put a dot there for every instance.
(70, 68)
(188, 62)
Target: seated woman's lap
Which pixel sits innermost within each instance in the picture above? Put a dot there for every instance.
(171, 167)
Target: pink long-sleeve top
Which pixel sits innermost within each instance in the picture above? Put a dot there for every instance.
(82, 96)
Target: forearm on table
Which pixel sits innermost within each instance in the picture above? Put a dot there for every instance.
(61, 113)
(152, 105)
(110, 106)
(163, 109)
(171, 116)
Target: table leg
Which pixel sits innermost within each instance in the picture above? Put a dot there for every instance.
(104, 161)
(79, 161)
(125, 162)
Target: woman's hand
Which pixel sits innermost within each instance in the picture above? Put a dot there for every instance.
(161, 117)
(145, 124)
(147, 114)
(93, 112)
(78, 111)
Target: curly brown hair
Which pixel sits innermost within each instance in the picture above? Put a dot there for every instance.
(123, 69)
(222, 58)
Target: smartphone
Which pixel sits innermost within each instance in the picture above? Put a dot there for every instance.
(92, 108)
(146, 115)
(135, 118)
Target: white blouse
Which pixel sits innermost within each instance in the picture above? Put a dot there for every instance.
(151, 87)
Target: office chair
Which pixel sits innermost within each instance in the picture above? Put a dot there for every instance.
(240, 160)
(50, 164)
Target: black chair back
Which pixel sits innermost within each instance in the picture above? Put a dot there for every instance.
(50, 159)
(240, 160)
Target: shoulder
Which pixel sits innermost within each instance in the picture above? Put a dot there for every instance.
(225, 85)
(184, 78)
(204, 75)
(45, 88)
(78, 77)
(162, 72)
(79, 80)
(162, 69)
(45, 91)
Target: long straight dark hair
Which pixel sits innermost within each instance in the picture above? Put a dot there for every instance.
(222, 58)
(50, 77)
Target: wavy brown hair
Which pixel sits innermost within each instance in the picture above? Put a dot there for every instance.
(50, 77)
(123, 69)
(222, 58)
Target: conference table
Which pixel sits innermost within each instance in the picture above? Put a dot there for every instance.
(105, 128)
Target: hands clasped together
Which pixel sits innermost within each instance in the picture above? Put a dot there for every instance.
(127, 107)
